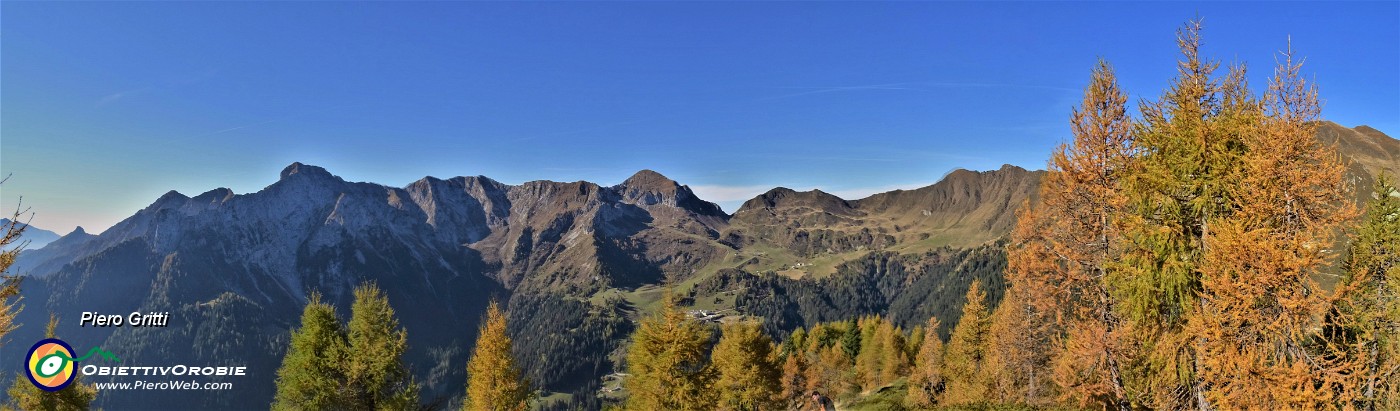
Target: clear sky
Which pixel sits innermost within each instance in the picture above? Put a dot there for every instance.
(105, 106)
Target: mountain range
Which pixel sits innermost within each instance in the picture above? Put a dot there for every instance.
(574, 262)
(32, 237)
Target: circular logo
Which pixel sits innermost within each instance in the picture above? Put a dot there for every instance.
(49, 364)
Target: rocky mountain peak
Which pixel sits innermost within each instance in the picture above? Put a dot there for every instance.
(217, 195)
(297, 168)
(170, 199)
(648, 180)
(648, 187)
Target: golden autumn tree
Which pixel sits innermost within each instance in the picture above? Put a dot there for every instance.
(10, 247)
(493, 379)
(669, 363)
(749, 377)
(794, 382)
(967, 347)
(1059, 256)
(895, 363)
(926, 375)
(882, 358)
(871, 354)
(1367, 319)
(1016, 368)
(831, 372)
(1259, 295)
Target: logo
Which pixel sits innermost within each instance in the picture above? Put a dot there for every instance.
(50, 363)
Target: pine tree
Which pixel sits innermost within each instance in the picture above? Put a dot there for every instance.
(493, 380)
(1369, 305)
(668, 363)
(374, 369)
(851, 339)
(25, 396)
(962, 363)
(926, 376)
(312, 375)
(749, 375)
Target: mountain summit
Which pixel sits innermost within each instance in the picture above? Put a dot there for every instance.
(574, 262)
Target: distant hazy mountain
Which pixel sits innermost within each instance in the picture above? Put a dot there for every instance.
(575, 263)
(35, 236)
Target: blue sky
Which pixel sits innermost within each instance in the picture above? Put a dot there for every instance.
(105, 106)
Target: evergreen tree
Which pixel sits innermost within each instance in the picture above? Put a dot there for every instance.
(749, 375)
(668, 363)
(962, 363)
(312, 375)
(926, 376)
(25, 396)
(375, 374)
(493, 380)
(850, 339)
(1369, 305)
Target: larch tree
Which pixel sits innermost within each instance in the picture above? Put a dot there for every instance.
(963, 360)
(1018, 355)
(913, 343)
(883, 355)
(10, 246)
(831, 373)
(926, 375)
(374, 370)
(494, 382)
(1184, 179)
(1061, 251)
(895, 361)
(312, 375)
(749, 377)
(1260, 296)
(668, 361)
(1368, 309)
(794, 380)
(870, 362)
